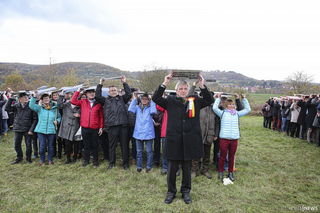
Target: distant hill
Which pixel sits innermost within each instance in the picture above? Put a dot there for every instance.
(90, 72)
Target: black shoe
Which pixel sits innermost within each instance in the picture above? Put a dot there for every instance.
(85, 163)
(29, 160)
(148, 170)
(170, 197)
(139, 170)
(16, 162)
(95, 165)
(68, 162)
(231, 176)
(59, 156)
(220, 176)
(125, 167)
(110, 166)
(186, 198)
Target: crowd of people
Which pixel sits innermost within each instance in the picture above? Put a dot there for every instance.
(297, 116)
(177, 129)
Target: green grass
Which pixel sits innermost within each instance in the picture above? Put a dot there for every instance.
(275, 173)
(258, 98)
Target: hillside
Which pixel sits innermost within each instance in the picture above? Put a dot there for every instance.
(90, 72)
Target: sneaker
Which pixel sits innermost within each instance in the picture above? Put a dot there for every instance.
(41, 163)
(148, 170)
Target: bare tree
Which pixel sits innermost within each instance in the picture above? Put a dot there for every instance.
(149, 80)
(300, 82)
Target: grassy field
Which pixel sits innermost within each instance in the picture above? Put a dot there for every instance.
(275, 173)
(261, 98)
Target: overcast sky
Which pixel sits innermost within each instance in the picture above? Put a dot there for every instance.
(261, 39)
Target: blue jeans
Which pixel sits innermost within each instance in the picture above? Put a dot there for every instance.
(46, 140)
(4, 126)
(284, 125)
(164, 154)
(140, 151)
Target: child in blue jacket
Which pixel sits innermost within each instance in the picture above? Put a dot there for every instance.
(144, 128)
(229, 132)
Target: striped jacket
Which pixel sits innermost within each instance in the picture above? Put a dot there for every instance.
(230, 123)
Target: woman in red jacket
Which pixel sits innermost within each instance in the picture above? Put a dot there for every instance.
(91, 122)
(163, 139)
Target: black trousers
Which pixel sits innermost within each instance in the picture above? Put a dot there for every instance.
(157, 146)
(35, 144)
(91, 144)
(133, 142)
(173, 166)
(115, 134)
(216, 150)
(268, 122)
(295, 130)
(72, 147)
(18, 136)
(60, 143)
(104, 144)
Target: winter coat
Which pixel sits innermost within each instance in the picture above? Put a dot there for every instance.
(1, 105)
(311, 112)
(275, 107)
(295, 111)
(25, 119)
(69, 123)
(229, 127)
(46, 117)
(114, 108)
(144, 127)
(266, 110)
(285, 109)
(210, 125)
(184, 141)
(163, 122)
(91, 117)
(131, 116)
(3, 108)
(316, 121)
(303, 111)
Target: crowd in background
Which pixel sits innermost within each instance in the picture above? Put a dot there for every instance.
(297, 116)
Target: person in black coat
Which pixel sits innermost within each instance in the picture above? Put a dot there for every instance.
(184, 141)
(23, 125)
(302, 116)
(275, 108)
(311, 114)
(116, 120)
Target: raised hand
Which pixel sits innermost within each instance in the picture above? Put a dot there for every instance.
(123, 79)
(201, 81)
(167, 79)
(102, 80)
